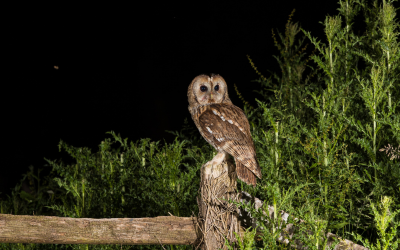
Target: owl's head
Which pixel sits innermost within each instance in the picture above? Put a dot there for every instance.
(206, 89)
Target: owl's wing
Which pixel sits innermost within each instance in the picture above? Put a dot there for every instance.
(228, 128)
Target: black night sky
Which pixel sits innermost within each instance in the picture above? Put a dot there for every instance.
(126, 68)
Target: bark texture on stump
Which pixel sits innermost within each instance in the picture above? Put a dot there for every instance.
(218, 219)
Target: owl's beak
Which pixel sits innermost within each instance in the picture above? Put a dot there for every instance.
(211, 96)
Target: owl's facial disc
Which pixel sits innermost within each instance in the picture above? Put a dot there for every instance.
(202, 90)
(218, 90)
(206, 90)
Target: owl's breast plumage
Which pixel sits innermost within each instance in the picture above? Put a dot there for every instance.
(196, 113)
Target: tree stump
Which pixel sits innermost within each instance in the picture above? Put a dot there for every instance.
(218, 219)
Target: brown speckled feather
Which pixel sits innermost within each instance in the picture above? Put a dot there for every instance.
(226, 127)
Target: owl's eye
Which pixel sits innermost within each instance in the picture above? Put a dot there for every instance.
(216, 88)
(203, 88)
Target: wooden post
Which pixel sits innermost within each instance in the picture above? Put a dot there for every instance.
(218, 219)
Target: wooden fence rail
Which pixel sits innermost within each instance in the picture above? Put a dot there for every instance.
(166, 230)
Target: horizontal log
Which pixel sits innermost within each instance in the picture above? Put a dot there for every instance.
(166, 230)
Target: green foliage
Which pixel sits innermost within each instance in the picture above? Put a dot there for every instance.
(247, 243)
(328, 134)
(122, 179)
(139, 179)
(31, 195)
(383, 218)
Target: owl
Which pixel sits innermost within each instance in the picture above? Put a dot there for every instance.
(223, 125)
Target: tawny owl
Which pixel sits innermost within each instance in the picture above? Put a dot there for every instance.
(223, 125)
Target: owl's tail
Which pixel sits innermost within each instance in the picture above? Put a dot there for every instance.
(245, 174)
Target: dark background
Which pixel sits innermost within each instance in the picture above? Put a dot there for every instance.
(127, 68)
